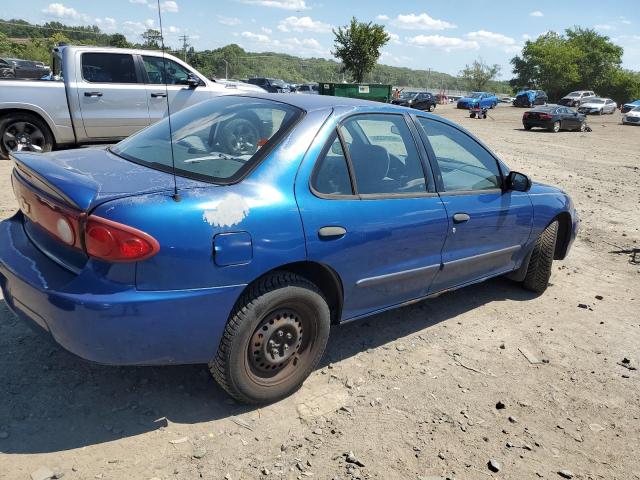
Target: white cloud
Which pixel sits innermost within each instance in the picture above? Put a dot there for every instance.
(536, 13)
(58, 10)
(266, 30)
(282, 4)
(173, 29)
(302, 24)
(257, 37)
(135, 28)
(526, 36)
(422, 21)
(604, 26)
(168, 6)
(445, 43)
(106, 23)
(231, 21)
(149, 22)
(394, 38)
(490, 39)
(625, 21)
(383, 18)
(139, 2)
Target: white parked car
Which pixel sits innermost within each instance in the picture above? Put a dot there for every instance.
(238, 85)
(308, 89)
(632, 117)
(598, 106)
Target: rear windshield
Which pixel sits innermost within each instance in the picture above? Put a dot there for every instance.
(216, 141)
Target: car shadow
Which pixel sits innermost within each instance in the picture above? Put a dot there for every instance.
(53, 401)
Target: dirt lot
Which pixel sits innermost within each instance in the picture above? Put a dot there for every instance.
(412, 393)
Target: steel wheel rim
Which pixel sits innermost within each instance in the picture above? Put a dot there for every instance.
(266, 369)
(23, 136)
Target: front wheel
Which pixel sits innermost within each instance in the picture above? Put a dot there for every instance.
(555, 128)
(539, 268)
(273, 340)
(583, 127)
(432, 107)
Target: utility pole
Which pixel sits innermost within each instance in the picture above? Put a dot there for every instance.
(185, 44)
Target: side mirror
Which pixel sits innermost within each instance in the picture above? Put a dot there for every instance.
(193, 81)
(518, 182)
(395, 130)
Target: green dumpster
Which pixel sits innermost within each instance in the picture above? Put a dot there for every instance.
(366, 91)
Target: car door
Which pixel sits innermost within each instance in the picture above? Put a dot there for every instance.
(573, 119)
(370, 211)
(111, 95)
(166, 77)
(487, 226)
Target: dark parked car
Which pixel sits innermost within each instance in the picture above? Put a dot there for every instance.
(530, 98)
(27, 69)
(417, 100)
(554, 118)
(271, 85)
(627, 107)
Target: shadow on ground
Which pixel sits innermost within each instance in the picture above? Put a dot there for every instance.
(53, 401)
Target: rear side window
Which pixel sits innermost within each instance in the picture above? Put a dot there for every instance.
(383, 154)
(108, 68)
(216, 140)
(331, 176)
(464, 164)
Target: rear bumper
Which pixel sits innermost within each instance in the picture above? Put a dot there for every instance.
(106, 322)
(537, 123)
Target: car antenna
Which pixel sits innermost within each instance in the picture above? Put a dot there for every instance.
(175, 195)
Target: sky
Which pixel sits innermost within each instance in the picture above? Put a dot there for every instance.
(443, 36)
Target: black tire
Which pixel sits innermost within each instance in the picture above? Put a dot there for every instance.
(527, 127)
(583, 127)
(432, 107)
(43, 141)
(472, 115)
(539, 268)
(555, 128)
(244, 367)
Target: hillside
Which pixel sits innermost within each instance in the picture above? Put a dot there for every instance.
(21, 39)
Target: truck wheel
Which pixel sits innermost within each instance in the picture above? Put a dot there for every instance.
(539, 268)
(273, 340)
(24, 132)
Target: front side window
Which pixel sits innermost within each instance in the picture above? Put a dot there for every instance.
(162, 70)
(383, 154)
(216, 140)
(464, 164)
(108, 68)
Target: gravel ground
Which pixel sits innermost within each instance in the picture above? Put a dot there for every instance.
(486, 378)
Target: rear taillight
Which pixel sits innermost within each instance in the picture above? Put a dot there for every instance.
(526, 115)
(545, 116)
(114, 242)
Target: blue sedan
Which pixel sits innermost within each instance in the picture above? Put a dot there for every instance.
(478, 100)
(238, 236)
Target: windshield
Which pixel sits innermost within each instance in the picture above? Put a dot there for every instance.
(277, 82)
(574, 94)
(636, 109)
(216, 141)
(476, 95)
(596, 100)
(406, 95)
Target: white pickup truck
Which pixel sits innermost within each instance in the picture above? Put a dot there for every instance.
(99, 95)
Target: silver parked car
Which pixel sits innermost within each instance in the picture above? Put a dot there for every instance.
(577, 98)
(598, 106)
(308, 89)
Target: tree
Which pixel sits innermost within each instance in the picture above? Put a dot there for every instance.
(118, 40)
(151, 38)
(358, 46)
(477, 75)
(579, 59)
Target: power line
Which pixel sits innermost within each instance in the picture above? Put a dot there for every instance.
(185, 44)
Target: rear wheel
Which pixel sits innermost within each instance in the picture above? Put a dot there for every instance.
(24, 132)
(527, 127)
(555, 128)
(539, 268)
(273, 340)
(472, 115)
(432, 107)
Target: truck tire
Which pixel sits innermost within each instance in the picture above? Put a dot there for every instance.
(22, 131)
(274, 338)
(541, 260)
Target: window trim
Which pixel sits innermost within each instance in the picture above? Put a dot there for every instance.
(434, 162)
(145, 74)
(139, 79)
(335, 134)
(422, 158)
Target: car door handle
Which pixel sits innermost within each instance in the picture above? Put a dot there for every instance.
(332, 233)
(92, 94)
(158, 94)
(461, 218)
